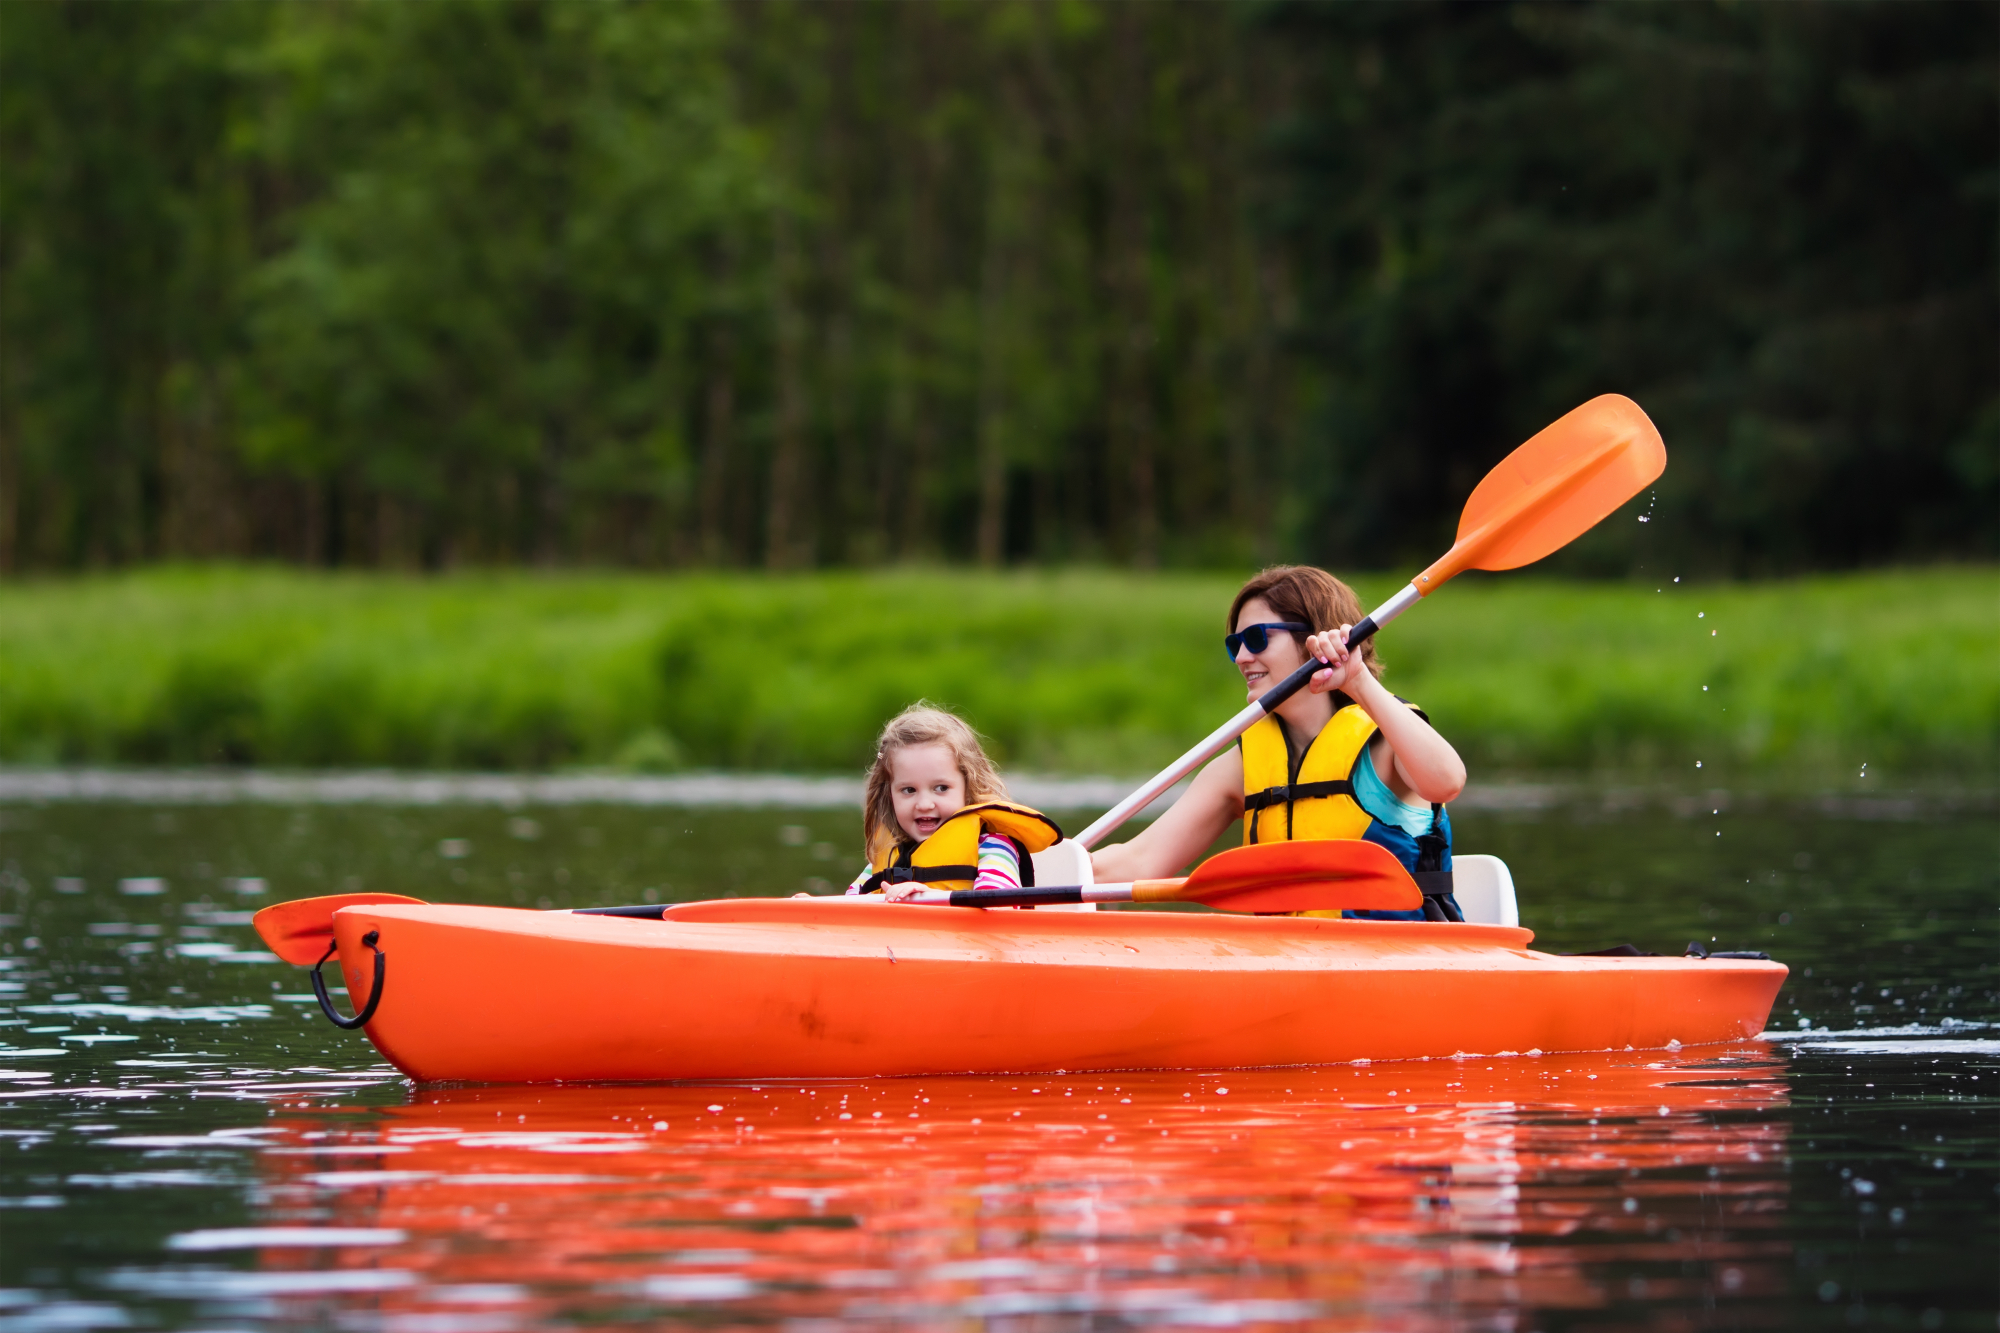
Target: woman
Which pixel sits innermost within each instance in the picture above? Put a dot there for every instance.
(1342, 758)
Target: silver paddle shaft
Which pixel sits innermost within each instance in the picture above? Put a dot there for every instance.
(1225, 735)
(1031, 895)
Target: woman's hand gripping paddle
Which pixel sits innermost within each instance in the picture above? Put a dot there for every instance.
(1264, 877)
(301, 931)
(1538, 499)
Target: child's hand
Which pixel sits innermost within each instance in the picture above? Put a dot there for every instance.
(1342, 666)
(901, 893)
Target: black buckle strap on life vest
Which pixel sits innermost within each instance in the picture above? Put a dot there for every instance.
(1288, 794)
(917, 875)
(1435, 885)
(939, 874)
(1432, 879)
(1296, 791)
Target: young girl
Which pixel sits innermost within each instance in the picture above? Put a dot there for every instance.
(936, 815)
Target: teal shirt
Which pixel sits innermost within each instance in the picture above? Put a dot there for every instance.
(1373, 795)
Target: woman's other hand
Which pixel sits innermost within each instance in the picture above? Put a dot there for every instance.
(1342, 665)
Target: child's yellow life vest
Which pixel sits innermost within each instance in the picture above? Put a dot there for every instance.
(949, 858)
(1320, 804)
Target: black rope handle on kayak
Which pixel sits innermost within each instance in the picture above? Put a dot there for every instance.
(374, 996)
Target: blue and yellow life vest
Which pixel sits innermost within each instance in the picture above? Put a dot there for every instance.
(1317, 801)
(949, 858)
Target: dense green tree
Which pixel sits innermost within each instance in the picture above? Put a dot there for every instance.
(785, 284)
(1773, 224)
(483, 311)
(119, 242)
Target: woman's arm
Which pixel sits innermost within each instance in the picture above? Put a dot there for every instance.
(1412, 758)
(1184, 832)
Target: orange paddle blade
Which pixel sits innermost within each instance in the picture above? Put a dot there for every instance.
(300, 930)
(1554, 488)
(1300, 877)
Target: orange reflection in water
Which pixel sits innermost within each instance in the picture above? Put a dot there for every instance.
(1648, 1188)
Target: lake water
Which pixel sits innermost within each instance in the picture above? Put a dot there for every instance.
(185, 1143)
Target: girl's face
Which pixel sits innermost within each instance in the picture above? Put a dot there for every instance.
(926, 786)
(1280, 658)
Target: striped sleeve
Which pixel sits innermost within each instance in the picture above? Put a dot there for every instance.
(999, 863)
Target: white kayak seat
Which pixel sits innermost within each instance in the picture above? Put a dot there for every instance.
(1484, 889)
(1064, 863)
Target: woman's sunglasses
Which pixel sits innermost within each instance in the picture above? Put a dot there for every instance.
(1258, 637)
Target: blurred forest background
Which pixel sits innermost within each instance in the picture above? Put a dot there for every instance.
(790, 285)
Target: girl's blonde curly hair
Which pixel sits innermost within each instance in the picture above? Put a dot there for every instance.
(922, 723)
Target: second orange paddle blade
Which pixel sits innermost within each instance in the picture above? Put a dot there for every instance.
(1304, 876)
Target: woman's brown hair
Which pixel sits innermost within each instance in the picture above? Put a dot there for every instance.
(921, 723)
(1307, 596)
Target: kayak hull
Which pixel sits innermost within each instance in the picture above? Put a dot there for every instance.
(760, 988)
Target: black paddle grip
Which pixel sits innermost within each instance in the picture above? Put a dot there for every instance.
(1026, 896)
(1357, 634)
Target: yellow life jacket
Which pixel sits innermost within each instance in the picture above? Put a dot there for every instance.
(1319, 802)
(949, 858)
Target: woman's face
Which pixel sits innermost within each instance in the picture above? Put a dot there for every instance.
(926, 786)
(1280, 658)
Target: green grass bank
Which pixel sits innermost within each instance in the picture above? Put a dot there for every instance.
(1080, 671)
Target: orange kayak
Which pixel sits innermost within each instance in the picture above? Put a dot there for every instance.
(824, 988)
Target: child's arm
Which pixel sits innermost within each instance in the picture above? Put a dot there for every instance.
(999, 863)
(1422, 763)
